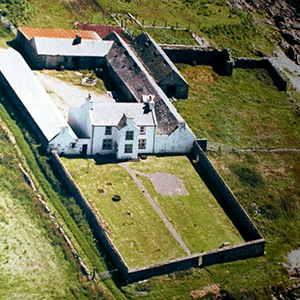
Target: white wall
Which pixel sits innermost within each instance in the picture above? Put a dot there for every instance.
(66, 142)
(179, 141)
(120, 153)
(99, 135)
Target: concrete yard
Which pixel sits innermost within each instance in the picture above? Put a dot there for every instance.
(146, 226)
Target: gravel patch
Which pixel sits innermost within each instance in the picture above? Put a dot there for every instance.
(168, 184)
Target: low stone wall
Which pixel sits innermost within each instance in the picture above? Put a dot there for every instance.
(251, 63)
(220, 60)
(95, 222)
(224, 196)
(232, 253)
(251, 248)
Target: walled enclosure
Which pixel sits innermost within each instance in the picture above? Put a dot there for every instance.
(220, 60)
(253, 247)
(250, 63)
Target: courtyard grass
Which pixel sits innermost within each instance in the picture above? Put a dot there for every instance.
(75, 77)
(133, 225)
(244, 110)
(197, 217)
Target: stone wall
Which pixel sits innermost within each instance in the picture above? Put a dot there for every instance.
(94, 221)
(224, 196)
(251, 63)
(220, 60)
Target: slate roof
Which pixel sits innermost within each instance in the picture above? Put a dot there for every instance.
(154, 58)
(65, 47)
(110, 114)
(33, 96)
(29, 33)
(139, 82)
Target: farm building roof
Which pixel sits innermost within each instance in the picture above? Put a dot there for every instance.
(32, 95)
(103, 30)
(29, 33)
(64, 47)
(155, 59)
(139, 82)
(109, 114)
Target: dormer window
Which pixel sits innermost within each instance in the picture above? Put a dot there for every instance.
(142, 130)
(108, 130)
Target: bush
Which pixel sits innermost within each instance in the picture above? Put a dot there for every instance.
(248, 176)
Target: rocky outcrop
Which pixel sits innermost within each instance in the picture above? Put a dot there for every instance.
(284, 14)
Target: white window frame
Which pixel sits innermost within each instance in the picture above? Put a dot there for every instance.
(129, 135)
(107, 144)
(142, 130)
(142, 143)
(128, 148)
(108, 130)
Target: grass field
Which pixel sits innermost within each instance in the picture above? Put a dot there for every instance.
(33, 263)
(197, 217)
(135, 228)
(244, 110)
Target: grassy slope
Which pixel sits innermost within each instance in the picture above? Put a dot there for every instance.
(69, 219)
(134, 226)
(245, 110)
(213, 19)
(32, 263)
(224, 27)
(197, 217)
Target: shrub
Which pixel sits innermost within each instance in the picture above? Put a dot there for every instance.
(248, 176)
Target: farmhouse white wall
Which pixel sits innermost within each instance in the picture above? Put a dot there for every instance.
(179, 141)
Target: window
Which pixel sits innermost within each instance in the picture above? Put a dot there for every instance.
(142, 130)
(128, 148)
(142, 144)
(107, 144)
(129, 135)
(108, 130)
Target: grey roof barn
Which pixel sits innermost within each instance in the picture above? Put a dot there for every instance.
(160, 66)
(135, 81)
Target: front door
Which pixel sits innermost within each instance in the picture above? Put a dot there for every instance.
(84, 150)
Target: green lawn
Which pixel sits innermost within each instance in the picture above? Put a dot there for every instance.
(197, 217)
(33, 264)
(244, 110)
(134, 226)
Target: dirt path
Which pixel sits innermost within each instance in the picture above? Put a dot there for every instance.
(155, 206)
(65, 94)
(288, 67)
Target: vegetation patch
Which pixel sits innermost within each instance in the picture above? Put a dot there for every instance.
(244, 110)
(131, 222)
(32, 258)
(197, 217)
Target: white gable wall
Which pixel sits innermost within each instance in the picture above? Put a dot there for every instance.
(179, 141)
(120, 152)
